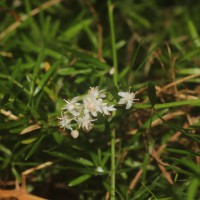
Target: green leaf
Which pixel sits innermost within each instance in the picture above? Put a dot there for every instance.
(18, 84)
(74, 30)
(194, 32)
(152, 93)
(5, 99)
(15, 173)
(5, 150)
(85, 162)
(28, 141)
(195, 102)
(58, 137)
(188, 71)
(112, 88)
(105, 159)
(94, 62)
(46, 77)
(179, 170)
(81, 161)
(144, 166)
(184, 152)
(72, 71)
(36, 68)
(193, 189)
(79, 180)
(140, 19)
(99, 127)
(12, 124)
(192, 167)
(35, 147)
(94, 158)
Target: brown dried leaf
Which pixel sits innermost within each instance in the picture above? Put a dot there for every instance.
(30, 128)
(18, 194)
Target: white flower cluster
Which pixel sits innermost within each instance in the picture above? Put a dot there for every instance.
(84, 110)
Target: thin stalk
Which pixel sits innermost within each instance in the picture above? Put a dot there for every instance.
(195, 102)
(113, 43)
(115, 79)
(112, 192)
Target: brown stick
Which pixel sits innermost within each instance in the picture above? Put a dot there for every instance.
(35, 11)
(9, 114)
(99, 28)
(178, 82)
(162, 165)
(31, 170)
(135, 180)
(159, 151)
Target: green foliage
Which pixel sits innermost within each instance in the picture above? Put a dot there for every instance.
(54, 55)
(152, 93)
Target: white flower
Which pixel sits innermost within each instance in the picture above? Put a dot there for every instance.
(99, 169)
(65, 121)
(96, 93)
(112, 71)
(92, 105)
(85, 122)
(105, 108)
(127, 98)
(72, 106)
(82, 109)
(75, 134)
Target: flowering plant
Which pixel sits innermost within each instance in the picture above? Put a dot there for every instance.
(84, 110)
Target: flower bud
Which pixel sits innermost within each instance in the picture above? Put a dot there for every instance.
(74, 134)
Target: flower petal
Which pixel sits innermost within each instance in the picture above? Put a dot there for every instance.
(129, 104)
(122, 94)
(122, 101)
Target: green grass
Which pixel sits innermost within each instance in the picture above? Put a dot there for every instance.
(54, 55)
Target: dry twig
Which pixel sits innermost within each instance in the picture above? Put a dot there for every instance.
(35, 11)
(99, 28)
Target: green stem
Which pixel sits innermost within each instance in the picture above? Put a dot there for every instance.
(195, 102)
(115, 79)
(112, 192)
(113, 43)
